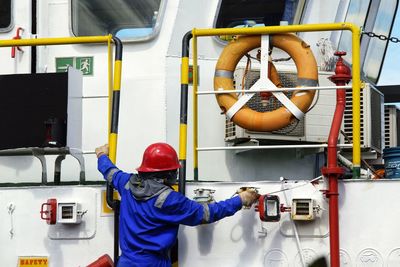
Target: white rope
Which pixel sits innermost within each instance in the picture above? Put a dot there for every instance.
(296, 234)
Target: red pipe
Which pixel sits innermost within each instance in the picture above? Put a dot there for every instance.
(333, 171)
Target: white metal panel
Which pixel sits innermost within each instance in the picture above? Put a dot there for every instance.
(88, 204)
(74, 109)
(316, 12)
(319, 118)
(18, 169)
(21, 16)
(31, 233)
(187, 19)
(366, 233)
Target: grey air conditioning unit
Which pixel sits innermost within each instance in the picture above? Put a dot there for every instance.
(392, 124)
(313, 127)
(316, 124)
(371, 119)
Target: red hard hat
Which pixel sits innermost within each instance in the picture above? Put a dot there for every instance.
(159, 157)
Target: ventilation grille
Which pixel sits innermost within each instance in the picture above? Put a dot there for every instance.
(391, 126)
(371, 118)
(302, 208)
(376, 110)
(348, 118)
(387, 126)
(262, 103)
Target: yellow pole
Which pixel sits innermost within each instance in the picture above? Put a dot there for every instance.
(311, 28)
(195, 111)
(55, 41)
(110, 81)
(183, 124)
(356, 32)
(274, 29)
(116, 94)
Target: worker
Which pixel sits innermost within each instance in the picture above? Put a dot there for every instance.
(151, 211)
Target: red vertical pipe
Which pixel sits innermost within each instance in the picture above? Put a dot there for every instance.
(333, 171)
(333, 177)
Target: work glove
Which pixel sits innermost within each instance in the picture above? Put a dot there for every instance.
(102, 150)
(248, 195)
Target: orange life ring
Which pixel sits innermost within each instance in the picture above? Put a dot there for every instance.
(307, 75)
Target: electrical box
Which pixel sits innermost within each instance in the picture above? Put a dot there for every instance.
(204, 195)
(269, 208)
(303, 209)
(69, 213)
(61, 212)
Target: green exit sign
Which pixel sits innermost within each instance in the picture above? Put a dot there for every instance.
(84, 64)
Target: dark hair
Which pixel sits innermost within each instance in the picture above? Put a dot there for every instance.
(158, 175)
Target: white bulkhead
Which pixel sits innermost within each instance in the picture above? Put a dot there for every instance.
(149, 112)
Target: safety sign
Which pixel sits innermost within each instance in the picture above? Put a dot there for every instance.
(84, 64)
(33, 261)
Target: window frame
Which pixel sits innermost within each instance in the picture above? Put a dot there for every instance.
(156, 29)
(368, 25)
(11, 25)
(390, 29)
(296, 19)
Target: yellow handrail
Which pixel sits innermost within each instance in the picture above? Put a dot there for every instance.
(356, 79)
(55, 41)
(85, 40)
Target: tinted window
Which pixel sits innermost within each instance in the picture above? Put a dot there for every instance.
(376, 47)
(234, 13)
(5, 15)
(373, 18)
(127, 19)
(356, 13)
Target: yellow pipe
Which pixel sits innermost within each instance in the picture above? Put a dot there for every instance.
(182, 141)
(274, 29)
(117, 86)
(113, 147)
(117, 76)
(356, 32)
(195, 105)
(185, 70)
(311, 28)
(183, 126)
(55, 41)
(110, 81)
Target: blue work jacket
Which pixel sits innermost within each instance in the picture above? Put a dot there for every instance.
(149, 228)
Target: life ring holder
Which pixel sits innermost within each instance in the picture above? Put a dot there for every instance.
(307, 75)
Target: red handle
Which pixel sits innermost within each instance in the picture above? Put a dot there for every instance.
(17, 36)
(49, 215)
(42, 212)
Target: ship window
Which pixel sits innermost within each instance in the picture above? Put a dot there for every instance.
(356, 13)
(5, 16)
(376, 47)
(373, 18)
(129, 20)
(253, 13)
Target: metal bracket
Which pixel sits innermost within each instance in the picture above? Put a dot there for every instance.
(77, 154)
(57, 169)
(39, 154)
